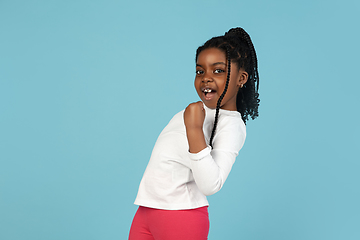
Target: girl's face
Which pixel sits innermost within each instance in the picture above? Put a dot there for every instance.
(210, 79)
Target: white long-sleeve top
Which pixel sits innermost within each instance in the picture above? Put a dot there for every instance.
(177, 179)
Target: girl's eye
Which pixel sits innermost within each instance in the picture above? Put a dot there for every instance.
(198, 72)
(219, 71)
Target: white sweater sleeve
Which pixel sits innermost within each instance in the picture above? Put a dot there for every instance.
(211, 167)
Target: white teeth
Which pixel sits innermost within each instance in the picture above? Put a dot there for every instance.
(207, 90)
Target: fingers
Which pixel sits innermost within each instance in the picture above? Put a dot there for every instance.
(194, 115)
(198, 104)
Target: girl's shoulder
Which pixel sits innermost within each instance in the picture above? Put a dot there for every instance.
(231, 122)
(230, 133)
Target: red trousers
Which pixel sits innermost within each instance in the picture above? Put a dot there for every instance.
(158, 224)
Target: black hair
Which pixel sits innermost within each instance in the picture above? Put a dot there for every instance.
(238, 47)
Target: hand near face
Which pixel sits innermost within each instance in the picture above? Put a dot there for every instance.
(194, 116)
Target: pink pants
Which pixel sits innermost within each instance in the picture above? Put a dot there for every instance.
(158, 224)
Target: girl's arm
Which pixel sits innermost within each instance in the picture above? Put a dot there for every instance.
(211, 167)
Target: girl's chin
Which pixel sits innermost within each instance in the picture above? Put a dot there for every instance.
(209, 105)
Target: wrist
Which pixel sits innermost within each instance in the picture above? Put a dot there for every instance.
(193, 128)
(196, 139)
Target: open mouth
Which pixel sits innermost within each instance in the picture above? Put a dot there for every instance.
(208, 93)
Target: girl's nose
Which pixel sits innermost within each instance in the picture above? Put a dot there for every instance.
(207, 79)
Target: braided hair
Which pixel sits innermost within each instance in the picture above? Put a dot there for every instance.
(239, 49)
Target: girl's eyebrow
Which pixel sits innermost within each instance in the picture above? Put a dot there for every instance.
(198, 65)
(218, 63)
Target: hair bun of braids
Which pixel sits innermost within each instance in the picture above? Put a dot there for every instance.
(240, 32)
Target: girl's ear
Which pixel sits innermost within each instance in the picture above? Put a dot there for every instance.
(243, 77)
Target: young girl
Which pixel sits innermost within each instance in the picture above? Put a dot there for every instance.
(195, 152)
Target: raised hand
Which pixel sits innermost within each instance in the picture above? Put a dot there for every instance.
(194, 117)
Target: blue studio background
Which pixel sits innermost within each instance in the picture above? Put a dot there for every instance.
(87, 86)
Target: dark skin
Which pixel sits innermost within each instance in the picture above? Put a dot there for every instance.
(211, 74)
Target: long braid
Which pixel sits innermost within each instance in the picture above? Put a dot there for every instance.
(254, 75)
(248, 97)
(218, 105)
